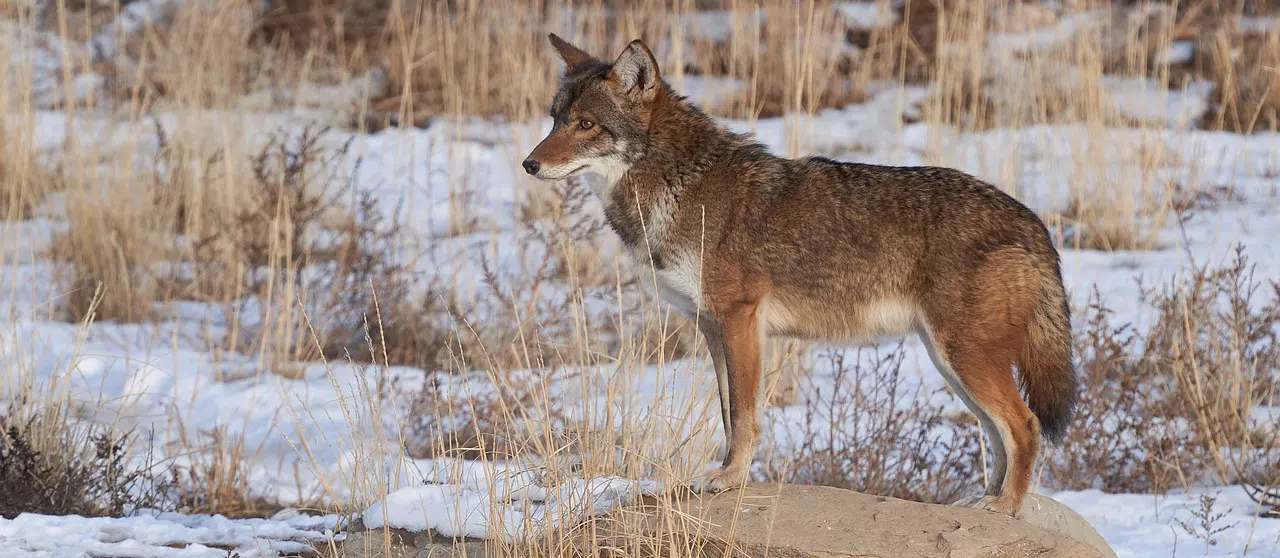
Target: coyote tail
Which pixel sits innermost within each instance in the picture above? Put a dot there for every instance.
(1045, 368)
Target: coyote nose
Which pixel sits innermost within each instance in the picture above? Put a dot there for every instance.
(531, 166)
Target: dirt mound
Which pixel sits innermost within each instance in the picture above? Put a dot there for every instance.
(785, 521)
(795, 521)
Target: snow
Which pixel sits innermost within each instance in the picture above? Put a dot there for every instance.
(1178, 52)
(1258, 24)
(512, 500)
(1134, 524)
(1146, 525)
(164, 535)
(867, 14)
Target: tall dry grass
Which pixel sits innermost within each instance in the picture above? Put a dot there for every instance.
(196, 203)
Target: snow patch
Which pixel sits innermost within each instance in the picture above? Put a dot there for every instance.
(515, 503)
(164, 535)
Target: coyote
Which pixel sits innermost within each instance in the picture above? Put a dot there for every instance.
(751, 244)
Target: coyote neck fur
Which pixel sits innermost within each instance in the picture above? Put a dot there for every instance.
(683, 144)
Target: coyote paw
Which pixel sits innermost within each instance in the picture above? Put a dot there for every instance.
(719, 481)
(989, 503)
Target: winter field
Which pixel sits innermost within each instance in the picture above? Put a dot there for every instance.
(271, 268)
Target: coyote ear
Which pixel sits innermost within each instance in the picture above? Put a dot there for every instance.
(636, 71)
(572, 55)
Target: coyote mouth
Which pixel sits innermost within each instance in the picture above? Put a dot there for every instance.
(565, 175)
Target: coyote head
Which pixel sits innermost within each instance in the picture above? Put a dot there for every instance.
(600, 114)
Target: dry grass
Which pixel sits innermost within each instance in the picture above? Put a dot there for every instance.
(1245, 69)
(215, 478)
(1218, 340)
(111, 249)
(23, 183)
(488, 58)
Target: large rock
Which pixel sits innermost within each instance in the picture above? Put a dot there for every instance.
(785, 521)
(1047, 513)
(792, 521)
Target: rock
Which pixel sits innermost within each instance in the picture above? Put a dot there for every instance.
(791, 521)
(787, 521)
(1049, 514)
(404, 544)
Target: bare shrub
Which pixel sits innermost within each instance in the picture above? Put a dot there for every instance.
(1206, 522)
(409, 331)
(1125, 436)
(787, 366)
(292, 250)
(539, 313)
(1219, 340)
(302, 261)
(874, 432)
(587, 265)
(295, 186)
(529, 323)
(61, 469)
(1165, 404)
(1260, 476)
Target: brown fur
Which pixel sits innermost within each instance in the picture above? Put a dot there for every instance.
(752, 244)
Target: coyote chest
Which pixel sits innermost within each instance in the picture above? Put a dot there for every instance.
(679, 280)
(681, 285)
(678, 272)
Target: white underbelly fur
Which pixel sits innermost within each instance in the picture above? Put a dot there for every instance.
(680, 284)
(871, 321)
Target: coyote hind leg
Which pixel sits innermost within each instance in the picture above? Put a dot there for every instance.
(976, 336)
(995, 479)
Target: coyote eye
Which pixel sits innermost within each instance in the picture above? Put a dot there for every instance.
(586, 124)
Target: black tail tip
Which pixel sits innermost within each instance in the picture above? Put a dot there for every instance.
(1054, 432)
(1054, 424)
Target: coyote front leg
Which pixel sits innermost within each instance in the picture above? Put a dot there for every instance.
(739, 333)
(714, 336)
